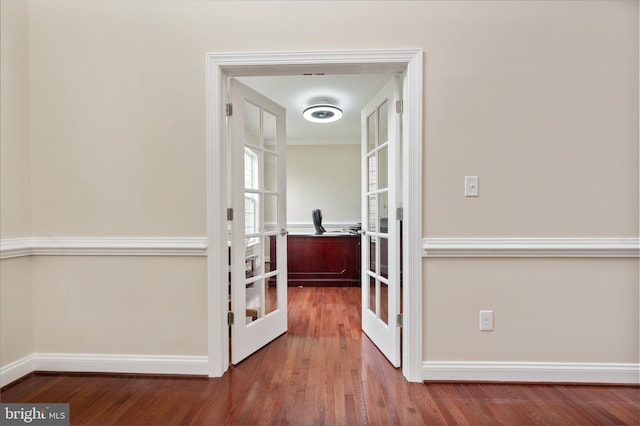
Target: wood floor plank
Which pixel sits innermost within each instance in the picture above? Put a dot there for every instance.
(323, 371)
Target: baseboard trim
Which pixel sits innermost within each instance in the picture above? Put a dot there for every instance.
(16, 370)
(531, 247)
(531, 372)
(103, 246)
(105, 363)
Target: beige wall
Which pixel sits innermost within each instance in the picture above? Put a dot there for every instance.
(325, 177)
(117, 121)
(15, 205)
(539, 99)
(120, 305)
(16, 310)
(16, 324)
(545, 310)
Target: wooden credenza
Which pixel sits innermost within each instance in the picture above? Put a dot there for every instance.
(329, 260)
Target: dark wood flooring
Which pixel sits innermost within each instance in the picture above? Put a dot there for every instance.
(323, 372)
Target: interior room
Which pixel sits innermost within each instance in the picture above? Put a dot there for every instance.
(323, 171)
(321, 159)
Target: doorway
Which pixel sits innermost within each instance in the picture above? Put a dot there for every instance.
(221, 67)
(347, 169)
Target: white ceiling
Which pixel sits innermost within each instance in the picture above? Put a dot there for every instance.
(351, 92)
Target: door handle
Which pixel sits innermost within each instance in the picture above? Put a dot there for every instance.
(284, 232)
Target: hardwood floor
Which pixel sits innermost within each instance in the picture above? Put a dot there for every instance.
(323, 372)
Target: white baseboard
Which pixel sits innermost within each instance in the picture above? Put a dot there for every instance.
(105, 363)
(605, 373)
(13, 371)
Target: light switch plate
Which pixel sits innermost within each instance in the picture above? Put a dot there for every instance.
(486, 320)
(471, 186)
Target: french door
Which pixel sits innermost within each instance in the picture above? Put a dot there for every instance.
(381, 221)
(258, 224)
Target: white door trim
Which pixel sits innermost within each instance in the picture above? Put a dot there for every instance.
(221, 66)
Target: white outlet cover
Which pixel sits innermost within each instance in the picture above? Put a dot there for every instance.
(471, 186)
(486, 320)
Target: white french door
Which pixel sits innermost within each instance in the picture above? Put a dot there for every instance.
(380, 222)
(258, 227)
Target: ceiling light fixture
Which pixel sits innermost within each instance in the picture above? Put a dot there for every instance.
(322, 113)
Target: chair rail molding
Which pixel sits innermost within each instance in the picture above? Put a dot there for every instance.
(15, 247)
(103, 246)
(531, 247)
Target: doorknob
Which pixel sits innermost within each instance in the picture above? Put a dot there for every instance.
(283, 232)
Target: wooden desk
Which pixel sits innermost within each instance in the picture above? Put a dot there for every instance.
(329, 260)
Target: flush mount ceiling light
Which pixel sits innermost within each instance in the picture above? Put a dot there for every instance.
(322, 113)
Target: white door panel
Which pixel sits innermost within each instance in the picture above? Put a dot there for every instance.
(381, 226)
(258, 236)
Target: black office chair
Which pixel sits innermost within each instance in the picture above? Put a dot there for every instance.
(317, 221)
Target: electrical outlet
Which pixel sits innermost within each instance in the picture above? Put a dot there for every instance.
(471, 186)
(486, 320)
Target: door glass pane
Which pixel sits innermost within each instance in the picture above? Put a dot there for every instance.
(253, 257)
(373, 204)
(372, 173)
(251, 213)
(270, 261)
(251, 123)
(383, 211)
(383, 160)
(383, 119)
(372, 254)
(271, 288)
(270, 134)
(270, 172)
(253, 292)
(384, 302)
(271, 296)
(270, 213)
(371, 132)
(251, 168)
(384, 256)
(372, 294)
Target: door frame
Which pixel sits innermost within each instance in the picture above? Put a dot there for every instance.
(219, 67)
